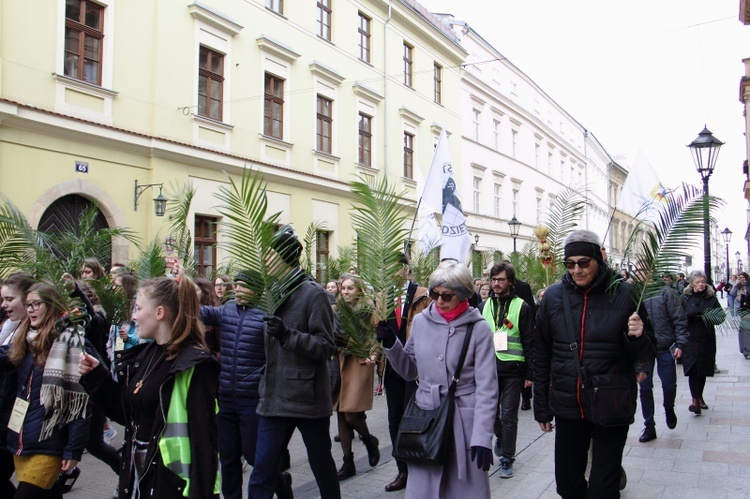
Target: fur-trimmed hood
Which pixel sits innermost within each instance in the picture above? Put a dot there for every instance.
(709, 291)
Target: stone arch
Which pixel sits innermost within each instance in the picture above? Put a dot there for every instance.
(106, 204)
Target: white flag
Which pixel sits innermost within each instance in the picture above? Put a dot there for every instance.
(642, 190)
(439, 195)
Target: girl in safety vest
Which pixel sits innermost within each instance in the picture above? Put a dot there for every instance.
(165, 397)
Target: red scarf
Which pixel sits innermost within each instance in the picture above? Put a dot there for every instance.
(460, 309)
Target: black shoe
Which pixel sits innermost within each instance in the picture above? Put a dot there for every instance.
(623, 478)
(526, 405)
(347, 469)
(398, 483)
(373, 453)
(671, 418)
(284, 486)
(703, 404)
(649, 434)
(66, 480)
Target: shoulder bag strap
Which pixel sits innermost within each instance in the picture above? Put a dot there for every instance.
(574, 341)
(464, 349)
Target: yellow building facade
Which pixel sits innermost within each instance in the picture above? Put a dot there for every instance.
(108, 93)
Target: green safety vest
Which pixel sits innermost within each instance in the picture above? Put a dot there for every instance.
(515, 348)
(174, 443)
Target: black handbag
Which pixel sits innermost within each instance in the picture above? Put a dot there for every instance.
(425, 436)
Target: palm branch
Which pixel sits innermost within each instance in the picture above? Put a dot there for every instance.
(250, 235)
(309, 244)
(19, 243)
(423, 264)
(665, 242)
(380, 221)
(150, 262)
(178, 214)
(346, 259)
(356, 323)
(562, 218)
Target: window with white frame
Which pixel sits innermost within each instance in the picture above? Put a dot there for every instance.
(273, 108)
(324, 19)
(476, 116)
(515, 202)
(210, 83)
(538, 210)
(408, 64)
(275, 5)
(477, 194)
(537, 154)
(364, 37)
(514, 142)
(496, 134)
(365, 140)
(324, 124)
(408, 155)
(496, 199)
(437, 75)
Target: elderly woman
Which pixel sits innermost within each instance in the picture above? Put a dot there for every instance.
(431, 354)
(703, 310)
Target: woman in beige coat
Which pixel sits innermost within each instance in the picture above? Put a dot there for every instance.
(356, 393)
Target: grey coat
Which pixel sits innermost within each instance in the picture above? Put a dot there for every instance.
(431, 354)
(296, 382)
(668, 319)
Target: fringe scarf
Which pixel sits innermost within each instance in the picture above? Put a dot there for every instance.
(62, 394)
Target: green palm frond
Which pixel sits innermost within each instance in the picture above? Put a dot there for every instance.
(714, 316)
(19, 243)
(346, 260)
(423, 264)
(150, 262)
(250, 234)
(665, 242)
(356, 323)
(380, 221)
(112, 299)
(178, 214)
(309, 245)
(562, 218)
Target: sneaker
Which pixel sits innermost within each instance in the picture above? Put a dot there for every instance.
(506, 467)
(497, 447)
(671, 418)
(526, 405)
(648, 434)
(109, 435)
(116, 494)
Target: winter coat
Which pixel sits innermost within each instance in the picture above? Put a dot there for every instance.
(243, 356)
(296, 382)
(67, 440)
(668, 320)
(699, 357)
(431, 354)
(599, 314)
(357, 380)
(158, 481)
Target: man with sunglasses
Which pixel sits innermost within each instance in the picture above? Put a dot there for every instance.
(591, 347)
(512, 327)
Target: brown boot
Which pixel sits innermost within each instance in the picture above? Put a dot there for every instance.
(695, 407)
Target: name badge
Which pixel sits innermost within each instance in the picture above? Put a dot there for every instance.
(18, 415)
(500, 339)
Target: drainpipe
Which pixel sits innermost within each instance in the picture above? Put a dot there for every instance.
(586, 174)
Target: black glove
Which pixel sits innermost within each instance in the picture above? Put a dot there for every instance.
(275, 327)
(483, 457)
(385, 334)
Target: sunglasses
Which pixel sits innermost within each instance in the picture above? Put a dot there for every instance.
(445, 296)
(583, 263)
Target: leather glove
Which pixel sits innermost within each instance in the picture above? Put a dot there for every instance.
(482, 456)
(385, 334)
(275, 327)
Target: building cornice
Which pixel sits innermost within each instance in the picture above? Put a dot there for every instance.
(214, 18)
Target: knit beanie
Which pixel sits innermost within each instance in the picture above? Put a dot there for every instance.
(583, 243)
(286, 244)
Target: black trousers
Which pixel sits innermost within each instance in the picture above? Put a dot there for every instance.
(7, 468)
(572, 440)
(398, 391)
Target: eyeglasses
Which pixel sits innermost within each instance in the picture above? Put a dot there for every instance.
(445, 296)
(583, 263)
(33, 305)
(498, 279)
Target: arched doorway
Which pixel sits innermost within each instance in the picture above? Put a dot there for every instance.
(65, 215)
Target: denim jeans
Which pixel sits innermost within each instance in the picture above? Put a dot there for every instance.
(238, 430)
(506, 422)
(572, 440)
(274, 434)
(665, 366)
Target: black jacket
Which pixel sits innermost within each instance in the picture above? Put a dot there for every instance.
(600, 315)
(699, 357)
(158, 481)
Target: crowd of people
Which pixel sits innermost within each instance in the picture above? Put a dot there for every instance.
(203, 383)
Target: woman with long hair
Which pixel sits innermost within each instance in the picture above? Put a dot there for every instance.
(128, 330)
(92, 270)
(357, 380)
(52, 432)
(165, 397)
(223, 287)
(207, 296)
(703, 311)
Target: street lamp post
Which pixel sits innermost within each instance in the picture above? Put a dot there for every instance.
(515, 226)
(705, 150)
(726, 234)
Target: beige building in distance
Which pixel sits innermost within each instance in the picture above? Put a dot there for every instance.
(111, 96)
